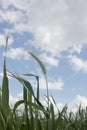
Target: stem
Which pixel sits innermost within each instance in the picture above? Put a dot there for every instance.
(47, 90)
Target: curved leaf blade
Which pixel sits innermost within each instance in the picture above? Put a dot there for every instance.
(39, 62)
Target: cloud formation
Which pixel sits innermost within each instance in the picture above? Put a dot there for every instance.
(56, 25)
(17, 53)
(78, 64)
(59, 25)
(55, 85)
(49, 60)
(77, 101)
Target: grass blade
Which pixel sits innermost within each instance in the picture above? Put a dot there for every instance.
(5, 86)
(39, 62)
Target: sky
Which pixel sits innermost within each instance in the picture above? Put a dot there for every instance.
(55, 31)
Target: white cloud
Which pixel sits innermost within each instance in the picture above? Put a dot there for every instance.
(17, 53)
(12, 16)
(78, 64)
(79, 100)
(1, 74)
(56, 25)
(15, 3)
(56, 85)
(59, 25)
(76, 48)
(3, 40)
(49, 60)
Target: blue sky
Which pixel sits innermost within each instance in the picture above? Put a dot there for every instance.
(54, 30)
